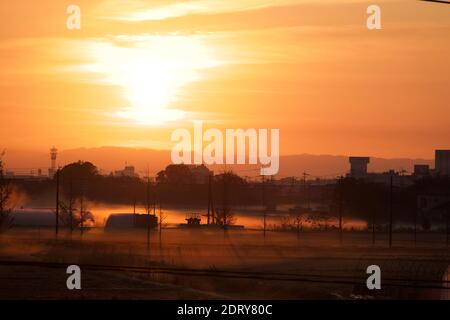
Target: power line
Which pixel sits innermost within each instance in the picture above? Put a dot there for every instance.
(266, 276)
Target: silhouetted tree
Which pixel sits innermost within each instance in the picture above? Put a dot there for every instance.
(5, 199)
(76, 175)
(318, 220)
(296, 221)
(229, 188)
(176, 174)
(225, 217)
(75, 218)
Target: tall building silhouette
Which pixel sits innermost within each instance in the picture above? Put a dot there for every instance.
(358, 166)
(442, 162)
(53, 155)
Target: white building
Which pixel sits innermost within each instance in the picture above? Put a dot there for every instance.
(128, 171)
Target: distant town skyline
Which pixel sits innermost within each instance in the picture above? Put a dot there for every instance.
(111, 159)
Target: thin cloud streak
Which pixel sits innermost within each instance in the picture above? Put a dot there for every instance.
(161, 10)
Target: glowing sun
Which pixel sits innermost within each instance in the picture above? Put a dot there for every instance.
(151, 70)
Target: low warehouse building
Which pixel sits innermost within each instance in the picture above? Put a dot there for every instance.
(123, 221)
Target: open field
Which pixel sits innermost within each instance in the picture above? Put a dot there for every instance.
(206, 264)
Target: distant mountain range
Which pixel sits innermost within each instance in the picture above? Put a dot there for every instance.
(109, 159)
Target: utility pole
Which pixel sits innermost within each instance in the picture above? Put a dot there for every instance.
(81, 214)
(306, 189)
(226, 210)
(134, 212)
(161, 219)
(447, 216)
(71, 207)
(340, 199)
(390, 209)
(148, 213)
(416, 212)
(211, 209)
(225, 199)
(264, 202)
(209, 199)
(373, 228)
(82, 217)
(57, 205)
(154, 200)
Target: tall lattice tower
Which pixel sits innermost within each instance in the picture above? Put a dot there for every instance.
(53, 155)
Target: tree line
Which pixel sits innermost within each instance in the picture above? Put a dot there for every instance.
(177, 184)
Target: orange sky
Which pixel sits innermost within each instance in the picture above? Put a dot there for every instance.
(139, 69)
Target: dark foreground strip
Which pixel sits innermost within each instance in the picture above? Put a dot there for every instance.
(266, 276)
(224, 309)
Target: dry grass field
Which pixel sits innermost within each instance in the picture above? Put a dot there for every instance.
(212, 264)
